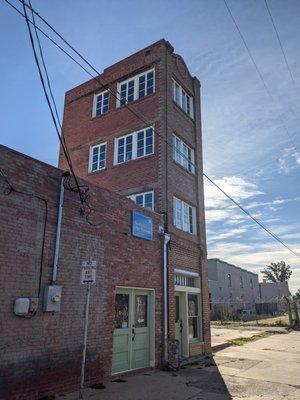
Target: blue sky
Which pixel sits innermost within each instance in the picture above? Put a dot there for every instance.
(249, 140)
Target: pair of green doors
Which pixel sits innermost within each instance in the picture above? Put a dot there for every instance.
(131, 342)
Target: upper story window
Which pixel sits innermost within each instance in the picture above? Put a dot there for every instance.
(183, 154)
(251, 283)
(241, 282)
(184, 100)
(101, 103)
(184, 216)
(134, 145)
(136, 87)
(97, 157)
(229, 280)
(145, 199)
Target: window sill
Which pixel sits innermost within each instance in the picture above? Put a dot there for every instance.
(133, 160)
(135, 101)
(183, 112)
(97, 171)
(191, 174)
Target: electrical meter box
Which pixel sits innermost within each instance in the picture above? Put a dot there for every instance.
(52, 298)
(21, 306)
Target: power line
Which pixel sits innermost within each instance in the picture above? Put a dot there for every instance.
(252, 217)
(144, 121)
(258, 72)
(48, 100)
(279, 41)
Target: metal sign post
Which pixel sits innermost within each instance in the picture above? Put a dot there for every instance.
(88, 277)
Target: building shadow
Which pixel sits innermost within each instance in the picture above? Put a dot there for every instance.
(206, 377)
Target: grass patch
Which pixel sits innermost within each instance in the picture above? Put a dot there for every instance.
(282, 320)
(241, 341)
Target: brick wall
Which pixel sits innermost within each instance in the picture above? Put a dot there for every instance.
(42, 355)
(158, 171)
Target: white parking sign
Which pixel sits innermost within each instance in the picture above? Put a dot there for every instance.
(88, 272)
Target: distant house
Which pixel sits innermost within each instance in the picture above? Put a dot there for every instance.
(232, 290)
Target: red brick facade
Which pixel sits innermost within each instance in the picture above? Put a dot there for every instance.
(156, 172)
(42, 355)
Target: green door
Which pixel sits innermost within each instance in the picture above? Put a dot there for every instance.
(131, 343)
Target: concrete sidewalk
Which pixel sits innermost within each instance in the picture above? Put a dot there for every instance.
(220, 335)
(268, 369)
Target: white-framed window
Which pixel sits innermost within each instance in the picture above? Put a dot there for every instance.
(136, 87)
(145, 199)
(101, 103)
(184, 100)
(183, 154)
(97, 157)
(184, 216)
(134, 145)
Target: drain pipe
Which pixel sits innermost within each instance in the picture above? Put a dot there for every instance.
(58, 226)
(166, 238)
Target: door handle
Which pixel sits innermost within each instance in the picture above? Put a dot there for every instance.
(133, 333)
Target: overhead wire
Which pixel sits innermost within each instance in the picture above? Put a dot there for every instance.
(146, 122)
(279, 41)
(258, 72)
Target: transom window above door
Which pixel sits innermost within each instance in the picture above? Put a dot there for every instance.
(134, 145)
(136, 87)
(145, 199)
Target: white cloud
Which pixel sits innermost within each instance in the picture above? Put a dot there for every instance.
(289, 160)
(236, 187)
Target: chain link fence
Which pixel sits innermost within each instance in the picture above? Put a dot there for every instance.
(247, 310)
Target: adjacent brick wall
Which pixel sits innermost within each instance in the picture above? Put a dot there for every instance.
(42, 355)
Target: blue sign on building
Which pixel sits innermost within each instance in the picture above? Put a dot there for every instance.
(142, 225)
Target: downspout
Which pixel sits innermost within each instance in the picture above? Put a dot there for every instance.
(58, 227)
(166, 238)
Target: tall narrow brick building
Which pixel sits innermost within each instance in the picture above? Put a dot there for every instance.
(145, 143)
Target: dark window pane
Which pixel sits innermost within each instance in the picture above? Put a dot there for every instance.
(141, 311)
(139, 200)
(193, 327)
(121, 311)
(149, 149)
(177, 308)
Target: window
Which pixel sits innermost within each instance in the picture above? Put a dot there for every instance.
(135, 145)
(184, 216)
(145, 200)
(97, 157)
(193, 316)
(241, 282)
(101, 104)
(136, 87)
(183, 154)
(251, 283)
(229, 280)
(183, 99)
(184, 280)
